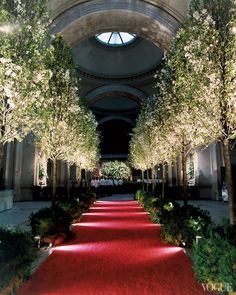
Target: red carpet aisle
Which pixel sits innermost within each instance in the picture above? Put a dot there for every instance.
(117, 251)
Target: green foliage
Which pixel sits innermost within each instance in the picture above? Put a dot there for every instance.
(116, 169)
(67, 130)
(182, 224)
(139, 194)
(165, 210)
(41, 172)
(11, 284)
(168, 206)
(16, 245)
(154, 215)
(39, 87)
(87, 199)
(4, 14)
(28, 22)
(17, 251)
(64, 80)
(146, 200)
(191, 170)
(61, 61)
(214, 260)
(227, 232)
(73, 207)
(23, 76)
(149, 201)
(46, 222)
(171, 233)
(195, 96)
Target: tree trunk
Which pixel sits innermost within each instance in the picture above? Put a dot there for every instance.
(184, 171)
(142, 179)
(229, 182)
(54, 182)
(68, 181)
(163, 181)
(1, 166)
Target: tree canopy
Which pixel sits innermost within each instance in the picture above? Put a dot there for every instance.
(195, 101)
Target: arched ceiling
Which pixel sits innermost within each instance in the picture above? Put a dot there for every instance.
(175, 7)
(99, 60)
(116, 104)
(116, 90)
(115, 99)
(114, 81)
(156, 21)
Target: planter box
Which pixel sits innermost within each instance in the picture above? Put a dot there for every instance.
(6, 200)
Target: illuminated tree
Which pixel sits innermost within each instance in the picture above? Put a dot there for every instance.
(86, 152)
(197, 84)
(67, 130)
(150, 144)
(116, 169)
(23, 77)
(204, 70)
(55, 134)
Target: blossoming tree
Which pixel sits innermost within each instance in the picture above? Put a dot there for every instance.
(198, 85)
(116, 169)
(66, 128)
(23, 77)
(206, 73)
(148, 146)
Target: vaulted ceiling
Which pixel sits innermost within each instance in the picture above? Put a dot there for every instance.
(116, 79)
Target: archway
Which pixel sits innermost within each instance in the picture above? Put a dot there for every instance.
(116, 134)
(156, 21)
(123, 84)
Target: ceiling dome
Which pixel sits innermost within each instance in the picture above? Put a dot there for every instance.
(133, 57)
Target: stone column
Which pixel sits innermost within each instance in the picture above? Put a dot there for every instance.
(208, 172)
(74, 173)
(170, 174)
(61, 171)
(174, 173)
(196, 169)
(9, 165)
(18, 170)
(214, 171)
(179, 171)
(29, 168)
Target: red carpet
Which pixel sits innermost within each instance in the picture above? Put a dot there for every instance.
(117, 251)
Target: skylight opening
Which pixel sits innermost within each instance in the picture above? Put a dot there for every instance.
(115, 38)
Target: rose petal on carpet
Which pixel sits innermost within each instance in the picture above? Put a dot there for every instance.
(117, 251)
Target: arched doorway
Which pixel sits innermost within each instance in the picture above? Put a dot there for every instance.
(116, 134)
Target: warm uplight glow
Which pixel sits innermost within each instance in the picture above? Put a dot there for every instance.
(115, 209)
(80, 247)
(71, 248)
(8, 28)
(114, 213)
(113, 224)
(117, 203)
